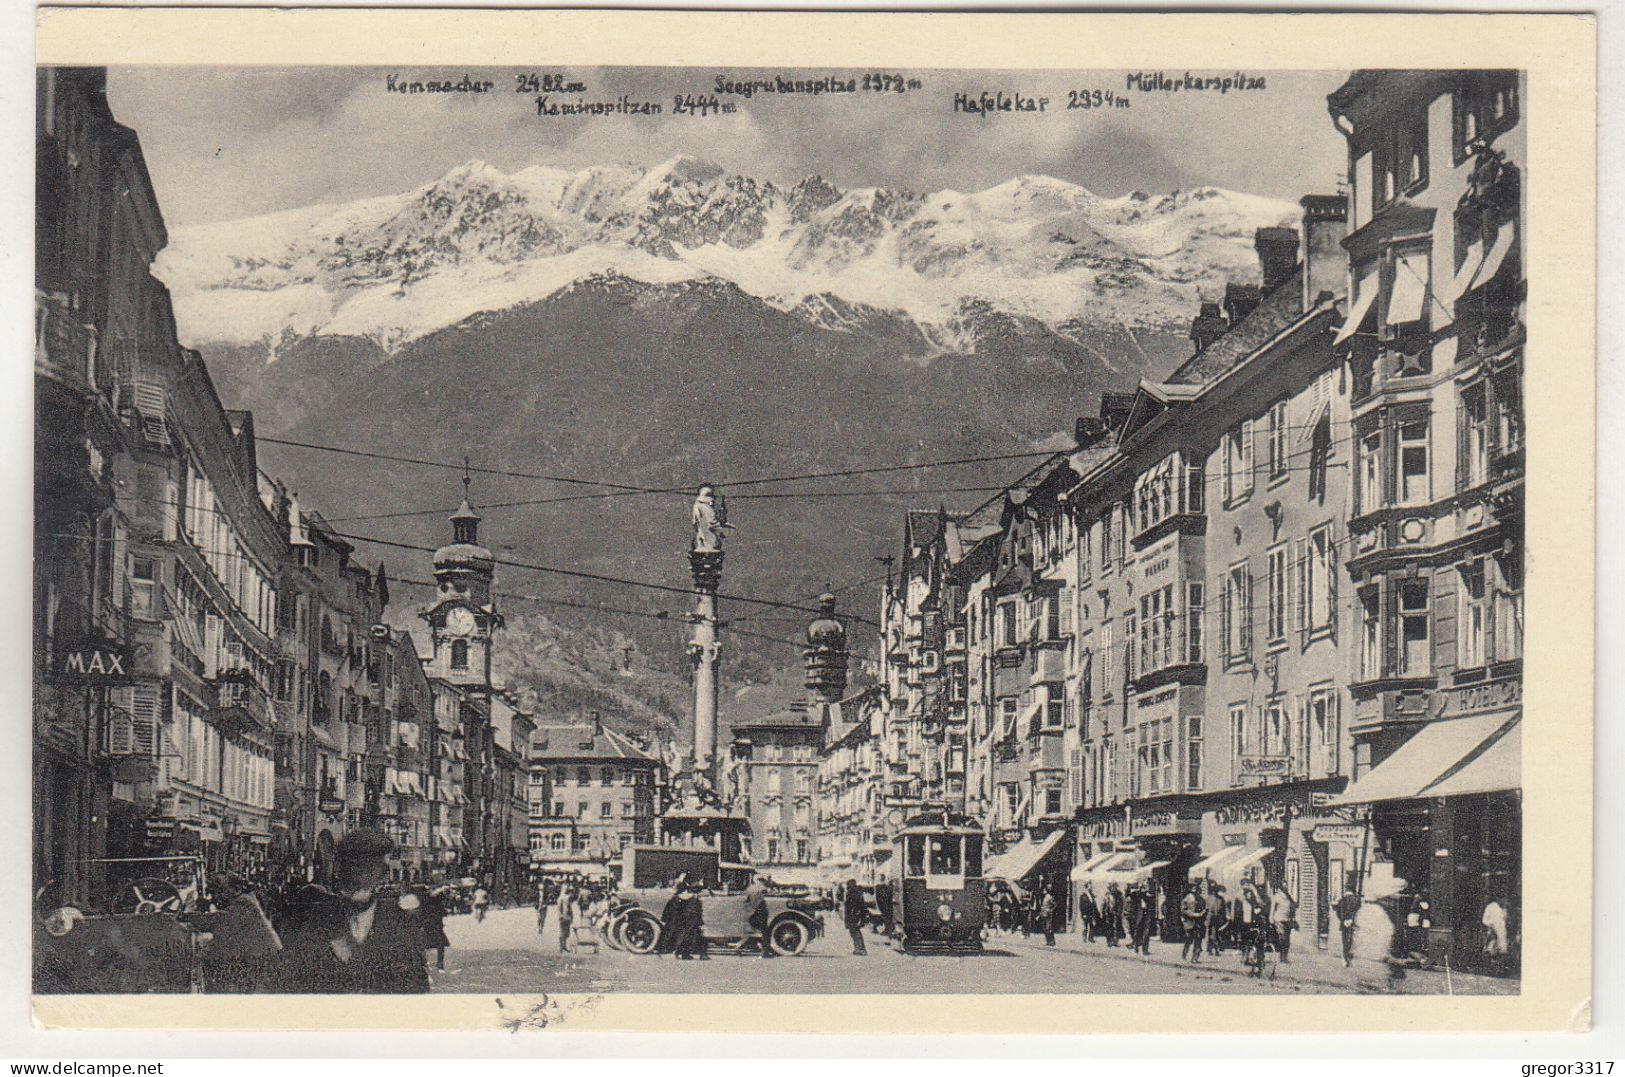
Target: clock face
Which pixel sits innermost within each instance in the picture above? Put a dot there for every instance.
(459, 622)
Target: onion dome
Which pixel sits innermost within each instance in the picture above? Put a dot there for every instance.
(826, 630)
(464, 548)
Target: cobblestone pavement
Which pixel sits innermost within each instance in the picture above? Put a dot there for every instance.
(506, 953)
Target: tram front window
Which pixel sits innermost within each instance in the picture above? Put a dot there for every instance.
(973, 858)
(914, 848)
(945, 859)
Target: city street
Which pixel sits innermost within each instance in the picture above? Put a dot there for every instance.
(506, 954)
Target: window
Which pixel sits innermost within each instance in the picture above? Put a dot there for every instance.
(1370, 632)
(1317, 582)
(1275, 730)
(1052, 800)
(1414, 628)
(1054, 707)
(142, 589)
(1400, 158)
(581, 809)
(801, 850)
(459, 654)
(1472, 615)
(1473, 462)
(1129, 666)
(1193, 622)
(1278, 440)
(772, 849)
(1193, 752)
(1320, 454)
(607, 776)
(1106, 543)
(583, 775)
(1238, 740)
(1106, 658)
(1485, 105)
(555, 842)
(1238, 462)
(1238, 613)
(558, 809)
(606, 810)
(1007, 624)
(1371, 472)
(1275, 619)
(1007, 717)
(1413, 461)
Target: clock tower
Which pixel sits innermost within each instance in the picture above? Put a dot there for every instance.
(463, 618)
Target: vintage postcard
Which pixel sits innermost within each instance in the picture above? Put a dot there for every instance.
(729, 522)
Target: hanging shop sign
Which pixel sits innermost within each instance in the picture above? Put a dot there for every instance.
(93, 661)
(1343, 832)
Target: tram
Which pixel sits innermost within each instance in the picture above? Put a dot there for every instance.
(941, 901)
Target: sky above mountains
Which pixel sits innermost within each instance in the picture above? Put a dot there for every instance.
(229, 143)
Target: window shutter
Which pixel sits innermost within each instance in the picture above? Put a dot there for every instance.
(121, 722)
(1227, 622)
(1247, 434)
(1334, 732)
(1332, 567)
(1247, 612)
(1300, 737)
(1461, 442)
(1390, 626)
(1300, 577)
(147, 711)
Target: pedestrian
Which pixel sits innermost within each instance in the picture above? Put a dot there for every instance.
(1283, 920)
(1046, 915)
(1251, 916)
(756, 917)
(683, 922)
(854, 913)
(1141, 918)
(1193, 922)
(885, 900)
(345, 940)
(1218, 932)
(1111, 912)
(482, 902)
(1088, 912)
(565, 914)
(434, 923)
(541, 909)
(1374, 938)
(1348, 911)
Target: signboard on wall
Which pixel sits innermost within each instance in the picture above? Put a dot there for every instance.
(1266, 766)
(93, 661)
(1343, 832)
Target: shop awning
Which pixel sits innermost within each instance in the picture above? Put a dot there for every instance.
(1364, 300)
(1130, 872)
(1433, 751)
(1231, 871)
(1498, 254)
(1496, 769)
(1410, 287)
(1018, 862)
(1096, 874)
(1209, 866)
(1082, 871)
(1469, 266)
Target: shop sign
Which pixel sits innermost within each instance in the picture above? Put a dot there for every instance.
(1262, 766)
(1478, 697)
(95, 662)
(1342, 832)
(1156, 698)
(1320, 800)
(1159, 559)
(1272, 811)
(1104, 829)
(330, 805)
(160, 829)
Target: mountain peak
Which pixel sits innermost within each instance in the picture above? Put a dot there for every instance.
(685, 168)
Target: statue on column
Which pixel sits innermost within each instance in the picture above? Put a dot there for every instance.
(710, 520)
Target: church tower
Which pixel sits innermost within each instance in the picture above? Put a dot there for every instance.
(463, 619)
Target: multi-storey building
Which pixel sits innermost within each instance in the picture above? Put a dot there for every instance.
(592, 792)
(397, 762)
(92, 248)
(774, 775)
(854, 821)
(1434, 344)
(507, 802)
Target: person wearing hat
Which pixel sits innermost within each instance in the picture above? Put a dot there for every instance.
(854, 915)
(347, 940)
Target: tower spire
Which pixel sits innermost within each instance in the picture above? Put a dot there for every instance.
(465, 522)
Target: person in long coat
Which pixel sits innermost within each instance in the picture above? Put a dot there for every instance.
(348, 940)
(683, 923)
(1088, 912)
(855, 914)
(1141, 916)
(434, 922)
(756, 917)
(1111, 912)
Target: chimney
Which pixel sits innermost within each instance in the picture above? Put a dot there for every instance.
(1240, 300)
(597, 724)
(1325, 264)
(1277, 254)
(1207, 327)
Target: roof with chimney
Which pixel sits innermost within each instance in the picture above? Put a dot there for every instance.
(1282, 306)
(582, 742)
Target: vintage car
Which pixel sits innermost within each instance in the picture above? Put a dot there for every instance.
(635, 918)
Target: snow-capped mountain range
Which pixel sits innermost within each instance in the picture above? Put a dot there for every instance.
(396, 267)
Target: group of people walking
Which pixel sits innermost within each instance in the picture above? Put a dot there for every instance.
(1259, 918)
(1132, 913)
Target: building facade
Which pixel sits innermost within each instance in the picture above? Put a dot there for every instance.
(1434, 346)
(592, 792)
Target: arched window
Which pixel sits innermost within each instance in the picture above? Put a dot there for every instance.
(459, 654)
(556, 840)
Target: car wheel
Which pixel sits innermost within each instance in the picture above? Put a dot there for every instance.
(640, 934)
(788, 936)
(612, 932)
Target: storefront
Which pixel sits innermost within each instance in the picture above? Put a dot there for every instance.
(1445, 813)
(1152, 843)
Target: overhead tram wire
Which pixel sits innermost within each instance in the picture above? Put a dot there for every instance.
(596, 576)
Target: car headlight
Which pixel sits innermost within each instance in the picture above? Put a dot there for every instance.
(945, 912)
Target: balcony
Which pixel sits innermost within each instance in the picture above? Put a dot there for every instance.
(64, 348)
(241, 702)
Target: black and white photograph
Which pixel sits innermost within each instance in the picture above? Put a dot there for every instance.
(600, 530)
